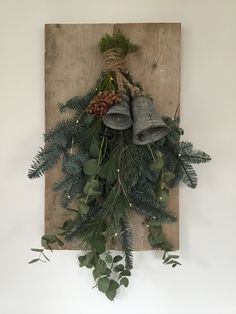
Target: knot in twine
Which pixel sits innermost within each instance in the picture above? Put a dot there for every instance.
(114, 60)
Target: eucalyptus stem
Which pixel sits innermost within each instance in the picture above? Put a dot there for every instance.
(100, 151)
(153, 157)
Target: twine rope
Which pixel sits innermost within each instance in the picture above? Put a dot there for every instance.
(114, 60)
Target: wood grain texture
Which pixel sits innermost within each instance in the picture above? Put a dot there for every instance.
(72, 64)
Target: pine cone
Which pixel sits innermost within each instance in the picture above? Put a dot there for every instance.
(102, 102)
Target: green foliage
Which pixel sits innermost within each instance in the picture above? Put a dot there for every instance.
(108, 170)
(34, 260)
(124, 281)
(42, 256)
(106, 176)
(117, 40)
(170, 259)
(157, 240)
(108, 275)
(78, 103)
(133, 161)
(126, 238)
(191, 155)
(175, 131)
(91, 167)
(45, 160)
(49, 239)
(73, 164)
(107, 83)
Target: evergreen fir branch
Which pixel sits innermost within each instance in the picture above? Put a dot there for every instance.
(118, 40)
(60, 133)
(73, 164)
(175, 131)
(161, 214)
(93, 132)
(87, 226)
(191, 155)
(189, 176)
(126, 238)
(71, 187)
(64, 184)
(108, 170)
(45, 160)
(134, 164)
(182, 169)
(144, 193)
(78, 103)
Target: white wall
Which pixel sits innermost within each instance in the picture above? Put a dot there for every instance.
(206, 281)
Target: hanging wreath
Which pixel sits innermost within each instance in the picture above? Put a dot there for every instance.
(118, 155)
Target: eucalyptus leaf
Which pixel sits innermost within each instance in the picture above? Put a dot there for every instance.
(88, 258)
(83, 207)
(103, 284)
(37, 250)
(34, 261)
(168, 176)
(168, 258)
(152, 240)
(49, 238)
(124, 281)
(117, 258)
(91, 188)
(118, 268)
(111, 294)
(94, 148)
(124, 273)
(95, 274)
(108, 272)
(101, 268)
(81, 260)
(108, 258)
(157, 164)
(164, 196)
(91, 167)
(113, 285)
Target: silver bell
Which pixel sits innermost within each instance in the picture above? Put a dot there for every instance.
(118, 116)
(148, 125)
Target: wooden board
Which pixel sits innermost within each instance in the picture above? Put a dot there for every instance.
(72, 64)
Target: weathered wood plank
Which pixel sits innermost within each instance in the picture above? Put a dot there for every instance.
(72, 64)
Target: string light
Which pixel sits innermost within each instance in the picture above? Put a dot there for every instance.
(179, 155)
(118, 170)
(116, 234)
(130, 205)
(147, 226)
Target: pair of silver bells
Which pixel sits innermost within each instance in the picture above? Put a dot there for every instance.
(148, 126)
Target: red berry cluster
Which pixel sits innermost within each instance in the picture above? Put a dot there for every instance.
(102, 102)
